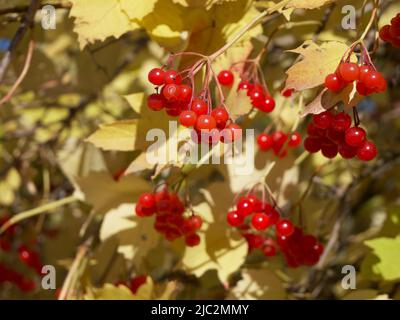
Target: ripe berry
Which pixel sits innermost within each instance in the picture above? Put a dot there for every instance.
(341, 122)
(244, 206)
(199, 106)
(384, 33)
(234, 219)
(245, 85)
(267, 105)
(142, 211)
(318, 248)
(156, 76)
(264, 141)
(155, 101)
(367, 151)
(192, 224)
(259, 221)
(346, 151)
(231, 133)
(323, 120)
(312, 144)
(272, 214)
(364, 71)
(269, 251)
(192, 240)
(287, 93)
(205, 122)
(362, 89)
(355, 136)
(221, 116)
(171, 92)
(185, 93)
(374, 80)
(329, 150)
(295, 140)
(225, 77)
(284, 227)
(172, 77)
(257, 97)
(333, 82)
(147, 200)
(254, 241)
(187, 118)
(349, 71)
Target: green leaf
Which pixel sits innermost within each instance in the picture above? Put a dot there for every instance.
(384, 261)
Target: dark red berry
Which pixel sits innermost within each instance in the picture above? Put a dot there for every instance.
(367, 151)
(225, 77)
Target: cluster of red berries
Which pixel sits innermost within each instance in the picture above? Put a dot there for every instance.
(368, 79)
(332, 134)
(170, 221)
(259, 96)
(391, 32)
(174, 96)
(26, 255)
(212, 125)
(8, 275)
(278, 142)
(254, 218)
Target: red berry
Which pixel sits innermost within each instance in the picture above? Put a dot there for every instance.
(257, 97)
(254, 241)
(234, 219)
(192, 240)
(264, 141)
(136, 283)
(259, 221)
(244, 206)
(269, 251)
(384, 33)
(231, 133)
(272, 214)
(312, 144)
(187, 118)
(279, 138)
(156, 76)
(374, 80)
(171, 92)
(341, 122)
(329, 150)
(142, 211)
(192, 224)
(367, 151)
(221, 116)
(333, 82)
(267, 105)
(346, 151)
(295, 140)
(318, 248)
(225, 77)
(245, 85)
(199, 106)
(205, 122)
(172, 77)
(323, 120)
(155, 101)
(287, 93)
(355, 136)
(284, 227)
(362, 89)
(349, 71)
(185, 93)
(147, 200)
(364, 72)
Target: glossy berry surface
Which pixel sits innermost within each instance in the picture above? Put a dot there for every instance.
(156, 76)
(225, 78)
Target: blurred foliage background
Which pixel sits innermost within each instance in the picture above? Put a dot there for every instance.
(92, 69)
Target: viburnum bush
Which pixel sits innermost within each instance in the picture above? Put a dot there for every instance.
(208, 149)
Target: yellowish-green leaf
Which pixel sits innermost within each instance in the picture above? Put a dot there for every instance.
(104, 193)
(308, 4)
(258, 284)
(384, 261)
(316, 63)
(99, 19)
(110, 292)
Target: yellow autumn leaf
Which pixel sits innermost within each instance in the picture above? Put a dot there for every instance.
(308, 4)
(104, 193)
(316, 63)
(137, 9)
(258, 284)
(220, 247)
(110, 292)
(98, 20)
